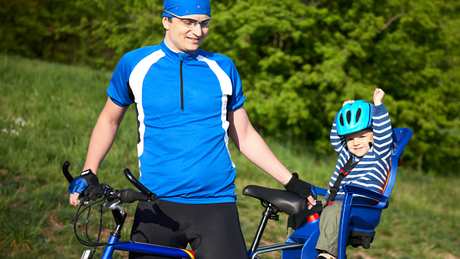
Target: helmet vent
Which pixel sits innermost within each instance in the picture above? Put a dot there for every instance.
(348, 116)
(341, 121)
(358, 114)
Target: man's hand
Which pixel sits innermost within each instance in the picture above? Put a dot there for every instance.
(378, 96)
(86, 183)
(73, 199)
(301, 188)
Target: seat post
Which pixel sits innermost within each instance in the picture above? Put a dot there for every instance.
(266, 215)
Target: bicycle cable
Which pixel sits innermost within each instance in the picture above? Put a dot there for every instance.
(87, 206)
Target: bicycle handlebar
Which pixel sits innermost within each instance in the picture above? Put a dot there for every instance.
(104, 196)
(129, 196)
(125, 195)
(139, 185)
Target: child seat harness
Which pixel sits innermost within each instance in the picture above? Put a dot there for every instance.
(298, 219)
(356, 239)
(343, 172)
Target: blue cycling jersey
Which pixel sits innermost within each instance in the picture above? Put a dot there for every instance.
(182, 101)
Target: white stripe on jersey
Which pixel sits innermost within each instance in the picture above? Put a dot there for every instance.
(378, 124)
(136, 82)
(387, 136)
(383, 130)
(343, 158)
(369, 171)
(364, 162)
(383, 144)
(369, 185)
(385, 154)
(386, 164)
(380, 166)
(226, 89)
(380, 117)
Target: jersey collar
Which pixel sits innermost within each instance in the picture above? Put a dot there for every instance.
(185, 56)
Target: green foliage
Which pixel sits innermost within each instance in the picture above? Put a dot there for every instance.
(298, 59)
(46, 114)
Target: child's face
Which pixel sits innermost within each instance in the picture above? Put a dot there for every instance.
(358, 143)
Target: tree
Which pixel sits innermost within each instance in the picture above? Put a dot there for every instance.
(298, 59)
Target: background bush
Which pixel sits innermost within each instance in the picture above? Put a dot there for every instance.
(298, 59)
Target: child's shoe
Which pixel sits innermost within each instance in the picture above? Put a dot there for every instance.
(325, 255)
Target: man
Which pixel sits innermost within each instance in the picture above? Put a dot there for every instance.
(188, 102)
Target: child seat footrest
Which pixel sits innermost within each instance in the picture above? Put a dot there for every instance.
(363, 239)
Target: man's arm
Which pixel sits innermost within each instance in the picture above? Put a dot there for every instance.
(101, 139)
(103, 134)
(254, 148)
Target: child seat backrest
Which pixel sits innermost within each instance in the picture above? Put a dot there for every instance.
(401, 137)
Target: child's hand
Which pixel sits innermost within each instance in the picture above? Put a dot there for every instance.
(378, 96)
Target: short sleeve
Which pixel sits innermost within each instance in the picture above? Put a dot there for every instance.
(238, 98)
(118, 90)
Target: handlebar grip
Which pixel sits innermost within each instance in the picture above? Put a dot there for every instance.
(139, 185)
(65, 171)
(128, 196)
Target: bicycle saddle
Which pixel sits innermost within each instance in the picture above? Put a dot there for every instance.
(284, 201)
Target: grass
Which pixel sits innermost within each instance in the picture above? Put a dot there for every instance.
(46, 114)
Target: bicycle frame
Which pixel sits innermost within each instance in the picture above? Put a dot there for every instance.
(300, 245)
(293, 248)
(114, 243)
(132, 246)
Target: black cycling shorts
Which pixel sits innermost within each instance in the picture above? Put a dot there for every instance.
(212, 230)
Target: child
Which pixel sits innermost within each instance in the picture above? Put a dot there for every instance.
(361, 134)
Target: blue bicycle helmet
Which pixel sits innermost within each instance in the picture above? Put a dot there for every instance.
(354, 117)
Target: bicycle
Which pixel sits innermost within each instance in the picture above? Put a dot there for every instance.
(275, 201)
(361, 211)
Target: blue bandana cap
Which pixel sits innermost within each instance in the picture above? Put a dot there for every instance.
(186, 7)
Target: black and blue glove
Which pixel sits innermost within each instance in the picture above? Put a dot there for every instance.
(304, 190)
(87, 185)
(299, 187)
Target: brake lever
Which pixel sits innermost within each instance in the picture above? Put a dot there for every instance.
(65, 171)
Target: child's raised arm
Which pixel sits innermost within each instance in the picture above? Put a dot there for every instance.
(381, 126)
(336, 141)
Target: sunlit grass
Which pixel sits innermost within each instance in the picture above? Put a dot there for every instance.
(47, 112)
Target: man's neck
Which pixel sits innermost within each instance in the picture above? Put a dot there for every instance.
(168, 45)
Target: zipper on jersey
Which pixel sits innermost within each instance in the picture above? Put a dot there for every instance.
(181, 86)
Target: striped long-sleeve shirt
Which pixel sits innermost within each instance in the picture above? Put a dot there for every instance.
(372, 169)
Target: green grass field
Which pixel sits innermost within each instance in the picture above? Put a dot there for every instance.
(46, 114)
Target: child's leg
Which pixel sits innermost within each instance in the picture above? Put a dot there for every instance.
(329, 228)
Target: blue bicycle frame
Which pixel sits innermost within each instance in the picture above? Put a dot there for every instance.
(114, 243)
(131, 246)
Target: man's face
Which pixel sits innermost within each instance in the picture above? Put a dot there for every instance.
(186, 33)
(358, 143)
